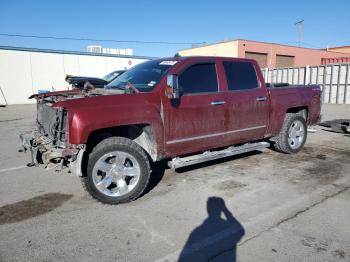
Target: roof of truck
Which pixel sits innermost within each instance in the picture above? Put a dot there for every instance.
(183, 58)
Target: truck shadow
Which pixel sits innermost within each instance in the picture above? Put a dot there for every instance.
(216, 238)
(159, 168)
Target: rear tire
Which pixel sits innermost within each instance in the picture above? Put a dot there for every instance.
(118, 171)
(292, 136)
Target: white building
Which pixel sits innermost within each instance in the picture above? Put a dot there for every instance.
(24, 71)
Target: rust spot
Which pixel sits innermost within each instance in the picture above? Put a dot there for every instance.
(32, 207)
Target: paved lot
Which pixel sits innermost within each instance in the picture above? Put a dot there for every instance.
(268, 206)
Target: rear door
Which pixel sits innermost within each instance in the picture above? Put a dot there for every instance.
(247, 101)
(196, 121)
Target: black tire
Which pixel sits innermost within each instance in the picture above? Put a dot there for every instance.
(117, 144)
(281, 140)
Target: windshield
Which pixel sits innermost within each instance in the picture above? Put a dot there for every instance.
(143, 76)
(109, 77)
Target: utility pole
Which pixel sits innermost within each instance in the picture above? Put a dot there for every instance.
(299, 25)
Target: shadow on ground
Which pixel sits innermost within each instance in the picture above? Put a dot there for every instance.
(216, 238)
(158, 170)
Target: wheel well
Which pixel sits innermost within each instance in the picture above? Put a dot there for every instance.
(301, 110)
(142, 134)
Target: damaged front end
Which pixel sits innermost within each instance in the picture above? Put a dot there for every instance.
(48, 142)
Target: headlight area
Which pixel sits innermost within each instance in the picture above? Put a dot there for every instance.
(48, 142)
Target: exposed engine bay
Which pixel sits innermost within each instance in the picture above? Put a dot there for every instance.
(48, 142)
(52, 123)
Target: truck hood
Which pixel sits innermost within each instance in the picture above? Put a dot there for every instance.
(69, 98)
(93, 99)
(56, 94)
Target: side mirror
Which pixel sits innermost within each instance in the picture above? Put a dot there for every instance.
(172, 88)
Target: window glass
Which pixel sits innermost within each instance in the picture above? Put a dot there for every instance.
(143, 76)
(199, 78)
(240, 75)
(109, 77)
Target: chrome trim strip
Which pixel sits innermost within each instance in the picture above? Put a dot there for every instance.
(212, 135)
(261, 98)
(217, 103)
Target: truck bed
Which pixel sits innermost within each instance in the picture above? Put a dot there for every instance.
(293, 96)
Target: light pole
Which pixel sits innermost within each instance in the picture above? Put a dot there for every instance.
(299, 25)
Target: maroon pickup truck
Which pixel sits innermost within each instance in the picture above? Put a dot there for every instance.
(185, 110)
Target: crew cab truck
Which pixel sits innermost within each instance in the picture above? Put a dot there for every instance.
(184, 109)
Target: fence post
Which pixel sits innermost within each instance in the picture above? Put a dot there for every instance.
(266, 74)
(324, 78)
(331, 85)
(307, 75)
(3, 95)
(346, 84)
(338, 85)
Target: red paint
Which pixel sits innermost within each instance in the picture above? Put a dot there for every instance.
(335, 60)
(194, 116)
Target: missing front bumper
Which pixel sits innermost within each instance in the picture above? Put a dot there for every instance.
(44, 154)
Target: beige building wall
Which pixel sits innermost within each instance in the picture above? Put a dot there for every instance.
(302, 56)
(227, 49)
(238, 48)
(341, 49)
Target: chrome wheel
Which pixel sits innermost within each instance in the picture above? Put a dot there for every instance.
(296, 134)
(116, 173)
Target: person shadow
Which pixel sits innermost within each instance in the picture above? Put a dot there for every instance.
(216, 238)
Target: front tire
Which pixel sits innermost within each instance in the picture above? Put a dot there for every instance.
(292, 136)
(118, 171)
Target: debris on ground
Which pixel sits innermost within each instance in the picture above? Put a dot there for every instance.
(338, 125)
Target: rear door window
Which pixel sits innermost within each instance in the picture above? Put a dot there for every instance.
(240, 75)
(199, 78)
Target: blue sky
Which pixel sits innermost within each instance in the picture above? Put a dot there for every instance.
(327, 23)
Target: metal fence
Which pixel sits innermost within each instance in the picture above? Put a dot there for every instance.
(334, 79)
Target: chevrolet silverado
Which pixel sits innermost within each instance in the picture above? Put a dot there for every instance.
(185, 110)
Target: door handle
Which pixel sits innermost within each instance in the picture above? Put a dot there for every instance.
(217, 103)
(261, 98)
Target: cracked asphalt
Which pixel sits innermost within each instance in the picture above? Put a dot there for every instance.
(259, 206)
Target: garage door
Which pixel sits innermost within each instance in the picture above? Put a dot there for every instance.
(284, 61)
(261, 58)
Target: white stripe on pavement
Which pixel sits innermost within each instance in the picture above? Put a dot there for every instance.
(11, 168)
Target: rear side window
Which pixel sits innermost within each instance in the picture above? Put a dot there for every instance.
(240, 75)
(200, 78)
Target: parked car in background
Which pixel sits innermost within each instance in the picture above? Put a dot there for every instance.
(184, 110)
(79, 81)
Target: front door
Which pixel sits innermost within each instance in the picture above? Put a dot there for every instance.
(195, 121)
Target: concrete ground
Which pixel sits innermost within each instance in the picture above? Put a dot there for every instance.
(262, 206)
